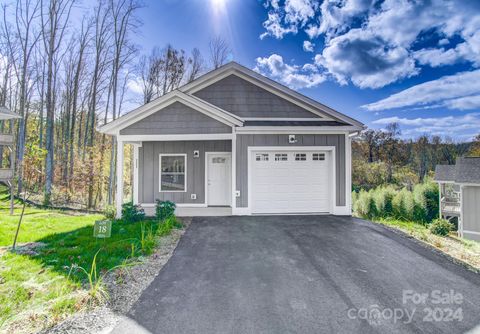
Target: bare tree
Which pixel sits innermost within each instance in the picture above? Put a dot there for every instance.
(162, 72)
(196, 65)
(219, 51)
(123, 24)
(21, 40)
(54, 24)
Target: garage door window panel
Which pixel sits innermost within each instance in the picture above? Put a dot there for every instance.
(261, 157)
(300, 157)
(318, 156)
(173, 173)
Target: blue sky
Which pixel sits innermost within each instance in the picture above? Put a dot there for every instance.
(414, 62)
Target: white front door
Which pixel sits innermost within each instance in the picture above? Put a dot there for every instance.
(219, 179)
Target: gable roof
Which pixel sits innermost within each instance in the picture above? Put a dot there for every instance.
(466, 170)
(174, 96)
(185, 95)
(282, 91)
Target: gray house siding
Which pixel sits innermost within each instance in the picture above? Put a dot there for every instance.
(148, 168)
(176, 118)
(244, 141)
(245, 99)
(471, 211)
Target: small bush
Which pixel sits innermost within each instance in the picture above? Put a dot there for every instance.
(132, 213)
(148, 242)
(383, 200)
(441, 227)
(426, 196)
(403, 204)
(110, 212)
(164, 209)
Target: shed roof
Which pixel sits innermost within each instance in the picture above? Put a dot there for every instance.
(466, 170)
(7, 114)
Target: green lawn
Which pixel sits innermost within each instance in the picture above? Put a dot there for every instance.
(37, 290)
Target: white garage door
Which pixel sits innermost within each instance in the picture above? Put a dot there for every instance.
(291, 182)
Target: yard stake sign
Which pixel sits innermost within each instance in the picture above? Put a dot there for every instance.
(102, 229)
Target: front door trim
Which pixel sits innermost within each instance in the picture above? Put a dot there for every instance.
(207, 160)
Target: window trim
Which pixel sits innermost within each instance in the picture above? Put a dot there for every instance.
(160, 172)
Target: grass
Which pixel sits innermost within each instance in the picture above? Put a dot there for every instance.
(42, 288)
(462, 249)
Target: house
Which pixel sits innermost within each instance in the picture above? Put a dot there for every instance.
(7, 166)
(234, 142)
(459, 186)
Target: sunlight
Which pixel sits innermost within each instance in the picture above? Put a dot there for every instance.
(220, 18)
(216, 3)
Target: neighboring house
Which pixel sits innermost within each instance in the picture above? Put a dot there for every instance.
(460, 194)
(234, 142)
(7, 166)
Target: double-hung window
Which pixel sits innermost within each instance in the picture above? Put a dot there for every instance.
(173, 172)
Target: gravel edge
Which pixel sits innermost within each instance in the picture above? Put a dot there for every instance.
(124, 287)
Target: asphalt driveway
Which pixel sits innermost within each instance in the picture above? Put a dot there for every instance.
(304, 274)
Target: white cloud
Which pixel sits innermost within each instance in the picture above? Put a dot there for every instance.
(373, 44)
(135, 85)
(436, 57)
(363, 58)
(459, 91)
(308, 46)
(299, 11)
(292, 76)
(275, 28)
(466, 125)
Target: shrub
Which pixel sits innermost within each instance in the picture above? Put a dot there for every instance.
(426, 196)
(403, 205)
(441, 227)
(132, 213)
(360, 206)
(383, 200)
(168, 224)
(147, 240)
(164, 210)
(110, 212)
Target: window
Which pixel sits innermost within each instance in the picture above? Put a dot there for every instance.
(261, 157)
(219, 160)
(318, 156)
(281, 157)
(300, 156)
(173, 172)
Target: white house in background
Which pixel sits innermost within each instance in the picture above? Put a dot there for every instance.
(234, 142)
(460, 195)
(7, 167)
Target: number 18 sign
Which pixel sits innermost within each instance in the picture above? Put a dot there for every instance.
(102, 229)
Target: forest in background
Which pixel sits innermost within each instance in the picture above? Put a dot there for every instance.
(382, 157)
(67, 70)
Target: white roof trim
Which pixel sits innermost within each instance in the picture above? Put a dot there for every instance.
(114, 127)
(259, 80)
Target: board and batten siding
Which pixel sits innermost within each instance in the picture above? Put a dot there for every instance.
(244, 141)
(149, 169)
(471, 211)
(245, 99)
(176, 118)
